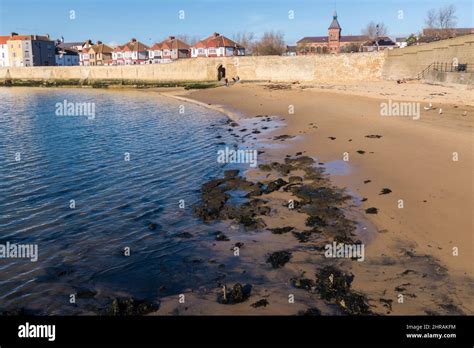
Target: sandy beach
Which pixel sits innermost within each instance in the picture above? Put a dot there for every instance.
(421, 239)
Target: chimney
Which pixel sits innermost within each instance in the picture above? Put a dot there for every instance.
(99, 42)
(216, 34)
(133, 40)
(12, 34)
(172, 38)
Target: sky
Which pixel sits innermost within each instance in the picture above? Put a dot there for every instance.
(117, 21)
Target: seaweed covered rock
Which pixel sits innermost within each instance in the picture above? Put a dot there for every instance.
(301, 161)
(334, 285)
(232, 173)
(303, 283)
(236, 294)
(281, 230)
(279, 258)
(260, 303)
(329, 195)
(129, 307)
(313, 311)
(275, 185)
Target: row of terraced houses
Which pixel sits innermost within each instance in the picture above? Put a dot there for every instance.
(36, 50)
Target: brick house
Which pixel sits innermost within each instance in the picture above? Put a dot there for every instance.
(333, 43)
(99, 54)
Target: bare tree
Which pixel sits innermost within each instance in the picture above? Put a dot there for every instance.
(442, 18)
(431, 18)
(271, 43)
(447, 17)
(245, 39)
(374, 30)
(441, 21)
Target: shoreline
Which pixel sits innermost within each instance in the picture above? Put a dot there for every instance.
(389, 245)
(393, 260)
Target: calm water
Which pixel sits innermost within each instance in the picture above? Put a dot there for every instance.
(67, 158)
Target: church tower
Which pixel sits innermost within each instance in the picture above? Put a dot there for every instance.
(334, 37)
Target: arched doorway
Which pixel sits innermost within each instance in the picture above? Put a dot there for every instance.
(220, 72)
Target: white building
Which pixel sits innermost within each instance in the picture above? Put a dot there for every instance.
(217, 45)
(4, 51)
(401, 42)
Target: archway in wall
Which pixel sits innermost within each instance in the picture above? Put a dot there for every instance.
(220, 72)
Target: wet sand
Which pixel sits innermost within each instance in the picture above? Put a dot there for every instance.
(409, 250)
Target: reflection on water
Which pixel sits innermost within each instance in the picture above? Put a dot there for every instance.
(337, 167)
(118, 204)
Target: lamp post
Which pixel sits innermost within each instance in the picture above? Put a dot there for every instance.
(377, 37)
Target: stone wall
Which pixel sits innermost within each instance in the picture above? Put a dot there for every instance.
(464, 78)
(408, 62)
(318, 68)
(390, 64)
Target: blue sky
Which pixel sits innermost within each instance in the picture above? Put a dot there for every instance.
(116, 21)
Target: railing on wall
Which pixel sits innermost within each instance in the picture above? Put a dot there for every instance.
(446, 67)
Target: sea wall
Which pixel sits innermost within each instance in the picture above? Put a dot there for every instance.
(319, 68)
(408, 62)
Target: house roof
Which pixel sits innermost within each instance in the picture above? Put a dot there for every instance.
(310, 39)
(29, 37)
(101, 48)
(217, 40)
(133, 45)
(70, 45)
(334, 23)
(173, 43)
(4, 39)
(156, 46)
